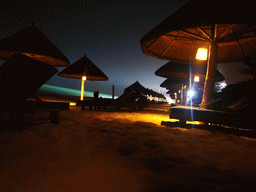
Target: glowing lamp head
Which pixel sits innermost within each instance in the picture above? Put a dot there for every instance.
(201, 54)
(83, 78)
(179, 91)
(196, 79)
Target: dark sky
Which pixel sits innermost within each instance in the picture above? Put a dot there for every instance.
(109, 32)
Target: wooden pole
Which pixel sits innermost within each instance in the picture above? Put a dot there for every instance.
(113, 92)
(210, 74)
(186, 98)
(82, 90)
(181, 94)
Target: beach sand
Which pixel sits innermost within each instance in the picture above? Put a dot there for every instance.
(124, 151)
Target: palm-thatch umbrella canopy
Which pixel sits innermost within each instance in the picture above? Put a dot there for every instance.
(174, 83)
(178, 70)
(182, 72)
(225, 28)
(83, 69)
(137, 87)
(32, 42)
(171, 90)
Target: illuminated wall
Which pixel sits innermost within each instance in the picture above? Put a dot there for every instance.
(50, 89)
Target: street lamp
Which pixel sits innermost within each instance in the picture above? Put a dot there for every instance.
(196, 79)
(201, 54)
(82, 88)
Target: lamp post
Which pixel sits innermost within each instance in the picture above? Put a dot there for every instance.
(82, 88)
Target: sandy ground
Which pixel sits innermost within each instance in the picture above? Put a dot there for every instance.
(124, 151)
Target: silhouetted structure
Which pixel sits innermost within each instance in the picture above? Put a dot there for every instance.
(31, 59)
(137, 87)
(83, 67)
(21, 77)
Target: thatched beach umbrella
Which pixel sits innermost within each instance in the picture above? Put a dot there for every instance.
(83, 69)
(137, 87)
(185, 73)
(20, 77)
(177, 83)
(174, 69)
(173, 83)
(33, 43)
(225, 28)
(171, 90)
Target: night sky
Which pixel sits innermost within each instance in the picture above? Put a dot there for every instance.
(108, 32)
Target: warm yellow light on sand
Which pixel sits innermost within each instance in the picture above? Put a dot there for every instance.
(83, 78)
(195, 122)
(201, 54)
(196, 79)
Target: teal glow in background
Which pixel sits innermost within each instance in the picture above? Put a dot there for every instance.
(55, 90)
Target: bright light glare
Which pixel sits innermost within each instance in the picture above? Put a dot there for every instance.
(84, 78)
(196, 79)
(201, 54)
(191, 93)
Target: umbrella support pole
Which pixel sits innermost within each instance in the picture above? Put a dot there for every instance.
(186, 97)
(82, 91)
(181, 94)
(210, 75)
